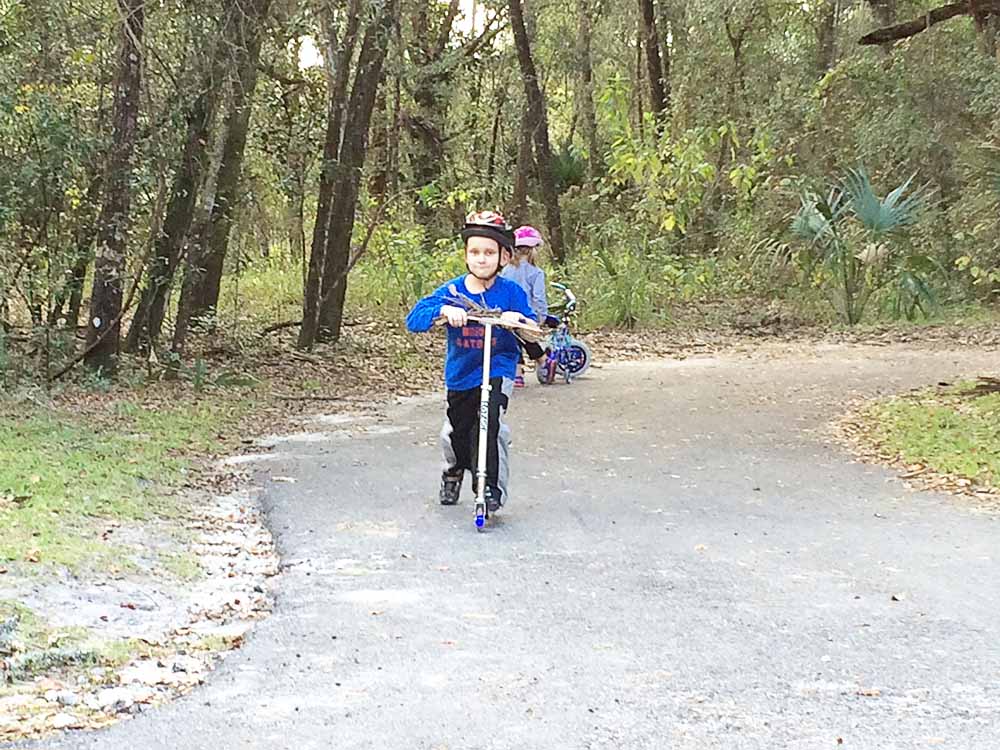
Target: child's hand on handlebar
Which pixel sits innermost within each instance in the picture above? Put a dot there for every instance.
(457, 317)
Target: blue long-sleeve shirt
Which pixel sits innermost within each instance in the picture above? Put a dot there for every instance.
(531, 279)
(463, 365)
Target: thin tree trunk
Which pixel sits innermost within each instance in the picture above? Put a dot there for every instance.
(523, 170)
(988, 27)
(491, 162)
(826, 36)
(206, 257)
(295, 164)
(395, 121)
(328, 173)
(378, 182)
(651, 42)
(83, 242)
(588, 114)
(367, 80)
(637, 89)
(104, 329)
(540, 127)
(169, 245)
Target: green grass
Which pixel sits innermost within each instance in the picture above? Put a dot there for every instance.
(951, 431)
(61, 475)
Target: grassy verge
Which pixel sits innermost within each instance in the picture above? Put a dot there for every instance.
(953, 431)
(65, 472)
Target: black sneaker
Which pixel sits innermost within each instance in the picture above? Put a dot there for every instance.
(451, 488)
(494, 499)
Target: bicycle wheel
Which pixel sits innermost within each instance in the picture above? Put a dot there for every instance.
(578, 358)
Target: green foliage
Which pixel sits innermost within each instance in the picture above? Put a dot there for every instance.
(951, 431)
(402, 267)
(60, 475)
(570, 168)
(850, 245)
(705, 189)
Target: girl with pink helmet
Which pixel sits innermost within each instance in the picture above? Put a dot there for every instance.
(523, 270)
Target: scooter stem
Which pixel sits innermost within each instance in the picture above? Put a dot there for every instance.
(484, 413)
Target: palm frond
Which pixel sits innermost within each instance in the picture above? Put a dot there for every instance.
(882, 216)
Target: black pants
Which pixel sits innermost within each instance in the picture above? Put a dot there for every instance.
(530, 348)
(460, 434)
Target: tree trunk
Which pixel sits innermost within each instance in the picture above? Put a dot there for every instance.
(83, 242)
(651, 42)
(395, 121)
(169, 244)
(826, 37)
(523, 170)
(328, 173)
(638, 88)
(491, 161)
(378, 182)
(352, 160)
(295, 165)
(431, 93)
(988, 28)
(104, 325)
(203, 271)
(588, 115)
(540, 131)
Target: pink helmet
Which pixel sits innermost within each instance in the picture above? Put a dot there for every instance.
(527, 237)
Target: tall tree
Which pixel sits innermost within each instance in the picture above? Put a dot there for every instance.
(339, 78)
(104, 325)
(432, 72)
(353, 153)
(826, 35)
(206, 259)
(659, 86)
(588, 115)
(189, 173)
(538, 122)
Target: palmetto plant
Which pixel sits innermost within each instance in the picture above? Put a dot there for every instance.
(852, 249)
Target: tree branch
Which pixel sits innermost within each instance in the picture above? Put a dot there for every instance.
(924, 22)
(444, 34)
(275, 75)
(487, 35)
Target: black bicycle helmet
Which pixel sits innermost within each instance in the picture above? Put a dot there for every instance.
(489, 224)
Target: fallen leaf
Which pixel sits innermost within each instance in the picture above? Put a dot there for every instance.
(34, 556)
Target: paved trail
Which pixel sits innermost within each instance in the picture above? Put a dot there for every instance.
(685, 563)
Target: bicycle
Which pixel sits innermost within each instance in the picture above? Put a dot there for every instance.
(564, 355)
